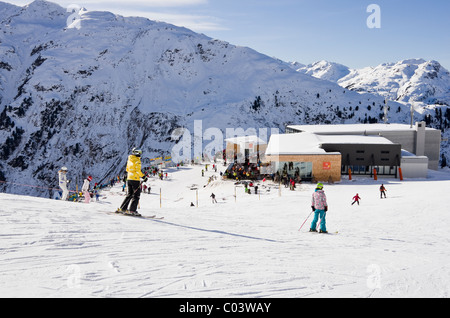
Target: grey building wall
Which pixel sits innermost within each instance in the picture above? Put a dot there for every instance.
(433, 148)
(367, 154)
(419, 141)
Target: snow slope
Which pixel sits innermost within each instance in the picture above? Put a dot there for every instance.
(251, 247)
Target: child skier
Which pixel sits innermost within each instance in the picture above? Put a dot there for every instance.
(63, 182)
(213, 197)
(319, 206)
(382, 191)
(356, 199)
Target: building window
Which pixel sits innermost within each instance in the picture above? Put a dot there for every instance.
(302, 170)
(385, 152)
(360, 151)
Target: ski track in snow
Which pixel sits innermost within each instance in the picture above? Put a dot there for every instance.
(394, 247)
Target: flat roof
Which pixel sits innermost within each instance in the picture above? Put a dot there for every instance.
(246, 139)
(310, 144)
(294, 144)
(354, 139)
(353, 128)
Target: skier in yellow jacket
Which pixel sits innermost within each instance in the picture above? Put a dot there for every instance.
(133, 183)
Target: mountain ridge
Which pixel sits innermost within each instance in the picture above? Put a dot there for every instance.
(409, 81)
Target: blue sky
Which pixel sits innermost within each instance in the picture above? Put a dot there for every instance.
(306, 30)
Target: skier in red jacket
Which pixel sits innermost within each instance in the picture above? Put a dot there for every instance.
(356, 199)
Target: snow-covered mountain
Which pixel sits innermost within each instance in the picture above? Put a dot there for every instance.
(409, 81)
(329, 71)
(82, 92)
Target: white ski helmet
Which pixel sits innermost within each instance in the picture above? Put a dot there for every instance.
(64, 169)
(136, 152)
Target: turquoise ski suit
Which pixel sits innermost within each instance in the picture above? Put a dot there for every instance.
(320, 207)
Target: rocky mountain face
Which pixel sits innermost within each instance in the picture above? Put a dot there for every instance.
(82, 92)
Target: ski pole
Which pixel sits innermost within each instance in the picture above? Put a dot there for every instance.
(305, 221)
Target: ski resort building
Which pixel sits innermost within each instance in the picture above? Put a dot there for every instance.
(326, 152)
(245, 148)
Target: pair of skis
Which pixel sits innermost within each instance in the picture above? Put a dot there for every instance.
(317, 226)
(153, 217)
(137, 215)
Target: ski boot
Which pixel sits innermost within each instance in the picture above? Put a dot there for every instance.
(132, 213)
(324, 232)
(120, 211)
(312, 230)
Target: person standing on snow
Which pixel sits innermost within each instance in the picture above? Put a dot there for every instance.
(213, 197)
(319, 206)
(63, 182)
(382, 191)
(133, 183)
(356, 199)
(85, 190)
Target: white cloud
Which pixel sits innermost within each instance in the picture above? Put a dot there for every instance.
(198, 23)
(141, 3)
(116, 3)
(142, 8)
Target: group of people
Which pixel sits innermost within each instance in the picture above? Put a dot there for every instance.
(319, 207)
(383, 190)
(64, 182)
(136, 177)
(135, 174)
(248, 171)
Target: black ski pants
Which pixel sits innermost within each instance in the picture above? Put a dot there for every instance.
(133, 196)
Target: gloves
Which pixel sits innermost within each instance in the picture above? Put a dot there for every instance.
(144, 179)
(326, 209)
(313, 208)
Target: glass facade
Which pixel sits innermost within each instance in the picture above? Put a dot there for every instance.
(368, 170)
(294, 169)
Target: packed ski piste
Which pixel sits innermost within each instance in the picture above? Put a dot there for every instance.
(194, 230)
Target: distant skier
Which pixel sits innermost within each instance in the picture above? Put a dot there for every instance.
(63, 182)
(319, 206)
(133, 183)
(356, 199)
(213, 197)
(85, 189)
(382, 191)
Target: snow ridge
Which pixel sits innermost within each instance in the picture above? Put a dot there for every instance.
(408, 81)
